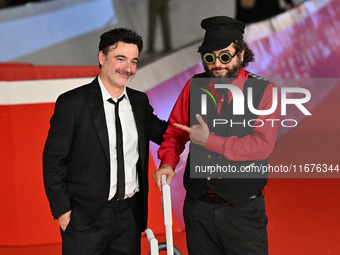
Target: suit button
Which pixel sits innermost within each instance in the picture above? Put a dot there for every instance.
(208, 178)
(213, 133)
(209, 156)
(219, 178)
(219, 157)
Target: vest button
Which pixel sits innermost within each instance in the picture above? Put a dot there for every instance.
(209, 156)
(208, 178)
(213, 133)
(219, 157)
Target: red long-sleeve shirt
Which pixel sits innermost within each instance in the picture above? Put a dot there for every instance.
(257, 146)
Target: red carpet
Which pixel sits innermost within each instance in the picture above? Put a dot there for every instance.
(304, 213)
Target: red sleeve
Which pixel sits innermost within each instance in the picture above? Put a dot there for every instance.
(257, 146)
(174, 138)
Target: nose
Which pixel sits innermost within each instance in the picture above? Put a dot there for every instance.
(218, 63)
(130, 68)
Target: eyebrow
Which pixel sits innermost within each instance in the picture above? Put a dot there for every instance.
(122, 56)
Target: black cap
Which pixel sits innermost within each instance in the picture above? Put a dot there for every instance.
(221, 31)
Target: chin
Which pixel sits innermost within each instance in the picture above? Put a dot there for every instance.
(123, 82)
(221, 75)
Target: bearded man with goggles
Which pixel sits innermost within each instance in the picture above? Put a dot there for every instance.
(224, 213)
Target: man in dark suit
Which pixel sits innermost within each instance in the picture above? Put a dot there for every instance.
(95, 160)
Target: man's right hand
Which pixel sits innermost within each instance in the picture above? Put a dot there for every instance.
(157, 176)
(64, 220)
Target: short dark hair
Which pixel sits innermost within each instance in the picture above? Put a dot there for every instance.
(239, 47)
(116, 35)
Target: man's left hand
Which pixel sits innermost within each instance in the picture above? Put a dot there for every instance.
(198, 133)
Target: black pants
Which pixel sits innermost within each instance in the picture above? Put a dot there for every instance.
(114, 232)
(226, 229)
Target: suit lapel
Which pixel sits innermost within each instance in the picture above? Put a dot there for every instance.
(139, 114)
(95, 102)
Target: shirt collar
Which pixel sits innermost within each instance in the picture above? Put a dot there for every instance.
(240, 79)
(242, 73)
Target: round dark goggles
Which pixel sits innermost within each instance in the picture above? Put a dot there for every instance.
(224, 57)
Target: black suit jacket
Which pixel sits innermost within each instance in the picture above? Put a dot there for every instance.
(76, 161)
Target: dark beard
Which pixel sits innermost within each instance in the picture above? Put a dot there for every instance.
(232, 73)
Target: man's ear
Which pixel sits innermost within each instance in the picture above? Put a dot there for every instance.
(242, 55)
(101, 57)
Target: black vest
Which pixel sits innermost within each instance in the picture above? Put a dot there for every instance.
(237, 186)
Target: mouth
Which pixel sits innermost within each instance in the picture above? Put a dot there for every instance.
(219, 69)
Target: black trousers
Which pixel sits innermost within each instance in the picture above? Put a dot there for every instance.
(114, 232)
(226, 229)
